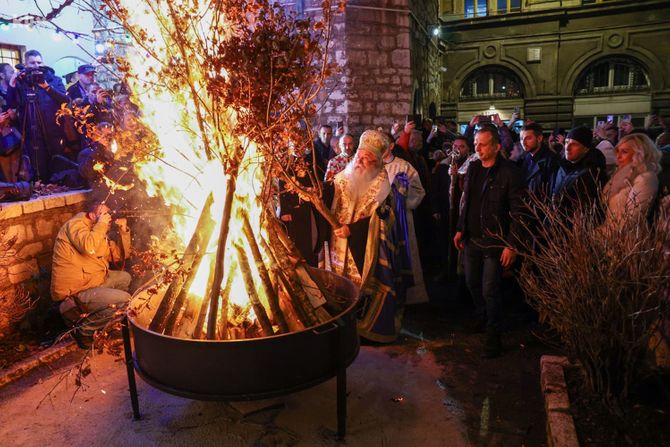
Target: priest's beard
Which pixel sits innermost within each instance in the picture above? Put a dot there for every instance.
(359, 179)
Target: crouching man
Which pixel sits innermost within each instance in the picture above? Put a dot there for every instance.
(88, 291)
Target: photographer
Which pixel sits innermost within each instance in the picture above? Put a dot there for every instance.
(99, 101)
(36, 93)
(88, 291)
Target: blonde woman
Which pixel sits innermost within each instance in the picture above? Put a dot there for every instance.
(633, 186)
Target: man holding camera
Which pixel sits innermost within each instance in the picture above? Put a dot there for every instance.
(99, 101)
(88, 291)
(36, 93)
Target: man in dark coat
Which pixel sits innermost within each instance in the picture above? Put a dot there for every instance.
(581, 175)
(79, 89)
(539, 163)
(493, 196)
(36, 94)
(323, 150)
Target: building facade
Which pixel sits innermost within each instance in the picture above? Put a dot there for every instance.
(562, 63)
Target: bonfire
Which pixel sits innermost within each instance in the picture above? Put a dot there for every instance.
(227, 91)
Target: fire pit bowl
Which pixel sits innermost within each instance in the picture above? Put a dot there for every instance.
(258, 368)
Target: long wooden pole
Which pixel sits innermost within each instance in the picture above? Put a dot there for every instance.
(197, 244)
(259, 310)
(273, 299)
(215, 291)
(202, 312)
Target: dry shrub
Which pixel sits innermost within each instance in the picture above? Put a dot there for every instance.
(602, 288)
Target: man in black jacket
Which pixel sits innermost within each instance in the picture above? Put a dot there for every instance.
(581, 175)
(539, 163)
(493, 196)
(79, 89)
(36, 94)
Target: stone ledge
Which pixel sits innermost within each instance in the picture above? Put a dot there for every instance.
(45, 357)
(561, 430)
(10, 210)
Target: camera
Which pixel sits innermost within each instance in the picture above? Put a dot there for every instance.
(32, 76)
(484, 119)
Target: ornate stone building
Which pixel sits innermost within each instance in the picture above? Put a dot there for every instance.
(561, 62)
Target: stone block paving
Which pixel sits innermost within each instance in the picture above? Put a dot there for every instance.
(394, 400)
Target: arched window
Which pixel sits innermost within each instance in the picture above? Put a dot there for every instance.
(612, 75)
(491, 83)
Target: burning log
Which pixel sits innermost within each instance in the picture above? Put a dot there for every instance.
(204, 306)
(259, 310)
(225, 301)
(286, 304)
(312, 288)
(192, 257)
(268, 288)
(215, 289)
(315, 314)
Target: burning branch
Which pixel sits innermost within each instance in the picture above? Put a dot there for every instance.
(229, 87)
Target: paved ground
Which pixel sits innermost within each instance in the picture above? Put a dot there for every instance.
(431, 388)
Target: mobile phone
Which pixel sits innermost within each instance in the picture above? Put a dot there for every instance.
(434, 127)
(516, 109)
(600, 124)
(416, 119)
(610, 118)
(340, 124)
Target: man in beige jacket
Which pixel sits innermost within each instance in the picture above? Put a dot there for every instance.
(88, 291)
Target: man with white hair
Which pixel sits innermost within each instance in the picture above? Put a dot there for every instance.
(363, 245)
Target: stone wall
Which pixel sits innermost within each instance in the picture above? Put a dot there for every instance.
(379, 81)
(27, 233)
(385, 55)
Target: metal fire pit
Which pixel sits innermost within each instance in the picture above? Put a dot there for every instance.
(249, 369)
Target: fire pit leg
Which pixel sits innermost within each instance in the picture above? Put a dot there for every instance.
(132, 386)
(341, 388)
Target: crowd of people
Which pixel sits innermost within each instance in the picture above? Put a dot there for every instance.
(422, 193)
(417, 193)
(41, 143)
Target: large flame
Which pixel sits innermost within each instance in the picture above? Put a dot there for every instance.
(182, 174)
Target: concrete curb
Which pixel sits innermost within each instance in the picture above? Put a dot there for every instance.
(44, 357)
(561, 430)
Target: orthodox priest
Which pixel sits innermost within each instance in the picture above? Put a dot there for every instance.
(365, 245)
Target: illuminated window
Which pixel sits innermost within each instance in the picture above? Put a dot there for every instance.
(505, 6)
(10, 54)
(614, 75)
(475, 8)
(490, 83)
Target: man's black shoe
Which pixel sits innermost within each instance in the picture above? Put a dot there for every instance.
(83, 341)
(493, 345)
